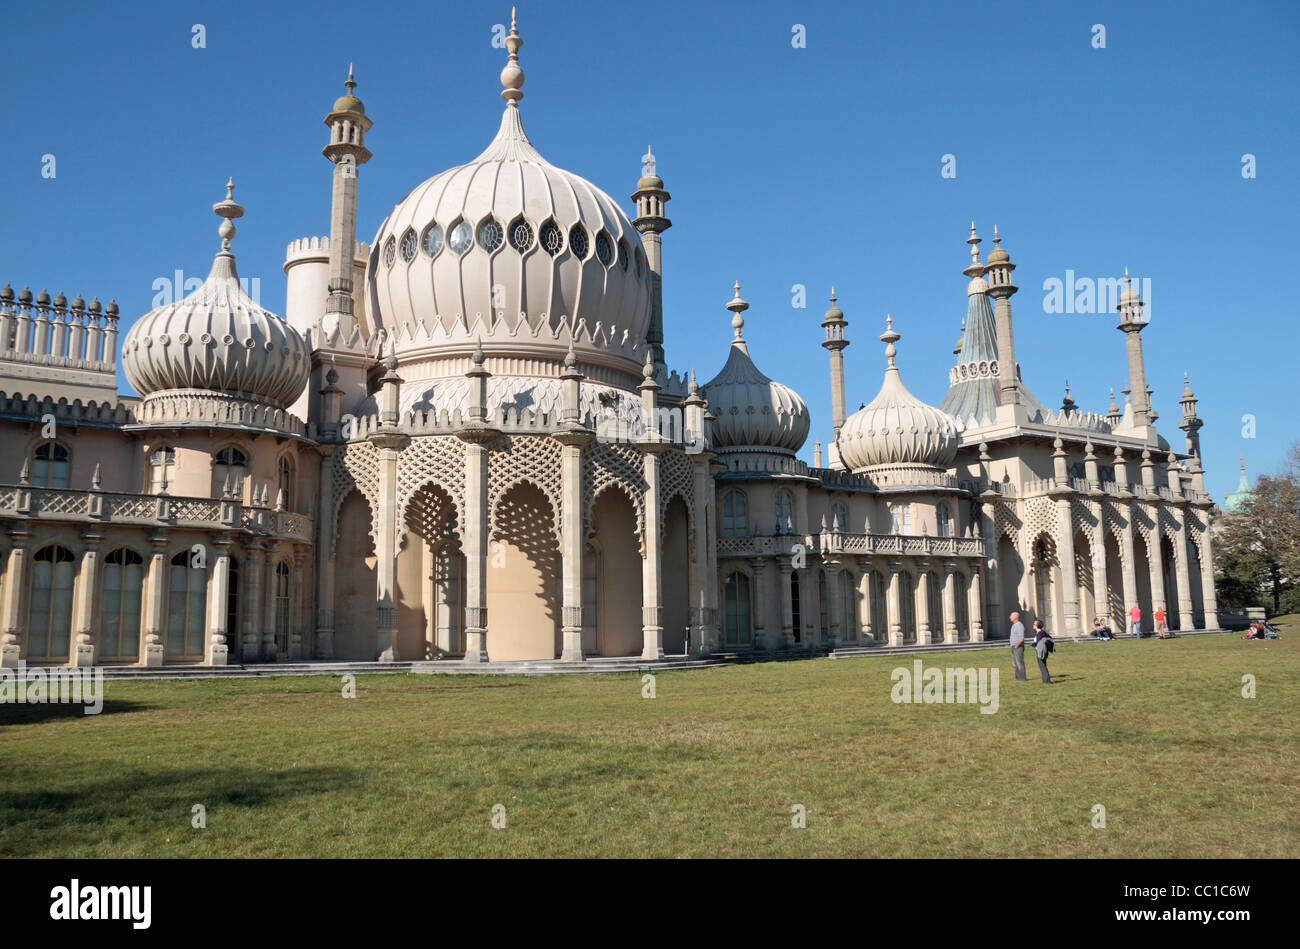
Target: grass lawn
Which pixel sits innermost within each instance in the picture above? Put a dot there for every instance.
(1156, 731)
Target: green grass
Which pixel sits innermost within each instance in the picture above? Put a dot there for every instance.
(1156, 731)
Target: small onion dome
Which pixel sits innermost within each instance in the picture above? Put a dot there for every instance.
(217, 338)
(7, 293)
(834, 313)
(25, 295)
(896, 427)
(43, 298)
(751, 410)
(348, 102)
(1128, 295)
(60, 302)
(1187, 389)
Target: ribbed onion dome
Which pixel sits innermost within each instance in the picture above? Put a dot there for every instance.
(752, 411)
(896, 427)
(509, 239)
(218, 338)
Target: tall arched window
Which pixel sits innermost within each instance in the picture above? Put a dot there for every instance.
(962, 592)
(735, 514)
(784, 512)
(162, 461)
(283, 595)
(824, 605)
(119, 635)
(934, 604)
(284, 469)
(839, 517)
(943, 520)
(796, 611)
(234, 644)
(590, 597)
(907, 607)
(50, 465)
(737, 623)
(229, 463)
(187, 596)
(878, 607)
(50, 618)
(849, 601)
(900, 518)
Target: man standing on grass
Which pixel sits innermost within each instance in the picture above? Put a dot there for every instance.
(1018, 646)
(1135, 621)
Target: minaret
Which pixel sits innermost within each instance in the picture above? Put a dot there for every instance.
(1132, 322)
(651, 221)
(1191, 423)
(1113, 414)
(1068, 405)
(347, 150)
(998, 274)
(834, 323)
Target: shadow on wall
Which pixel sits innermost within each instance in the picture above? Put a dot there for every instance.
(523, 578)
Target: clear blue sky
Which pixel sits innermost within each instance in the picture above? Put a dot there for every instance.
(812, 166)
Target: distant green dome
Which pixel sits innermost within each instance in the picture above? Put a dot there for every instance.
(1237, 500)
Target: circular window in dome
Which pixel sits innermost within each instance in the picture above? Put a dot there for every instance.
(578, 242)
(408, 246)
(553, 238)
(432, 242)
(390, 252)
(604, 249)
(462, 236)
(521, 235)
(622, 255)
(490, 235)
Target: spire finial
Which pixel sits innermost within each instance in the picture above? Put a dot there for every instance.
(351, 83)
(648, 162)
(737, 306)
(228, 210)
(1242, 459)
(512, 76)
(889, 338)
(997, 239)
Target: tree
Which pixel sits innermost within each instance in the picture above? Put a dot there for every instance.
(1258, 547)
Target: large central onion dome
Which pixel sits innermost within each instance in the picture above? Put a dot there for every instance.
(752, 412)
(511, 250)
(897, 428)
(217, 340)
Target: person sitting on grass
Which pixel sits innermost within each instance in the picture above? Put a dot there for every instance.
(1100, 630)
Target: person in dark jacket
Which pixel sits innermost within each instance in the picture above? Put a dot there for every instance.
(1043, 644)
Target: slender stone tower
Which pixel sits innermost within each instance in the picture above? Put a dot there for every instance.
(652, 220)
(1191, 423)
(834, 323)
(347, 150)
(998, 274)
(1132, 322)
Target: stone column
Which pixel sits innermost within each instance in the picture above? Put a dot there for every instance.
(787, 606)
(252, 595)
(1129, 568)
(326, 528)
(1208, 596)
(572, 542)
(1185, 618)
(155, 621)
(895, 616)
(865, 630)
(82, 651)
(925, 633)
(386, 554)
(1069, 575)
(973, 599)
(297, 605)
(759, 566)
(950, 632)
(652, 592)
(218, 592)
(476, 544)
(1156, 561)
(11, 643)
(270, 648)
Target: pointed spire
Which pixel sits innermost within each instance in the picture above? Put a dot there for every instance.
(351, 82)
(95, 478)
(648, 162)
(737, 306)
(25, 475)
(512, 76)
(889, 338)
(227, 210)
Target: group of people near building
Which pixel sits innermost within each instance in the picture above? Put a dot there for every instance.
(1044, 645)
